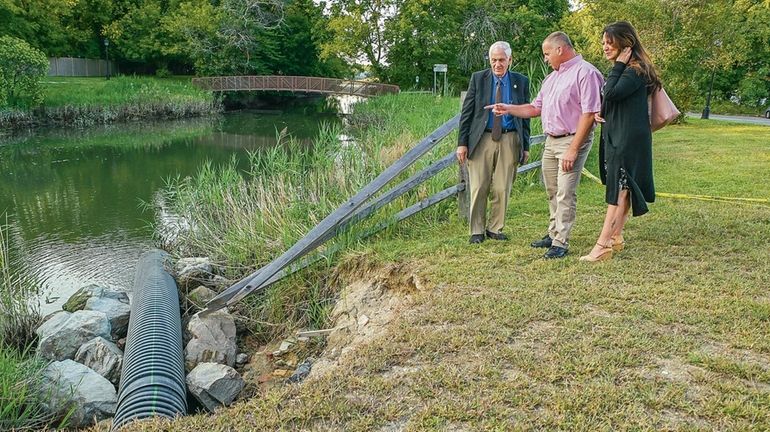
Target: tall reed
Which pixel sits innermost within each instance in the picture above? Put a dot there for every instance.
(19, 314)
(21, 398)
(21, 402)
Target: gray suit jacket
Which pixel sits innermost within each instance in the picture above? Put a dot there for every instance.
(473, 117)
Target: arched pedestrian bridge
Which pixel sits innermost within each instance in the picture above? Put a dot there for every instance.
(301, 84)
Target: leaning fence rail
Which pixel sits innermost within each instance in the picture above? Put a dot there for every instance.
(356, 209)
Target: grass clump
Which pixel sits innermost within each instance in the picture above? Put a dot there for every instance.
(21, 399)
(19, 317)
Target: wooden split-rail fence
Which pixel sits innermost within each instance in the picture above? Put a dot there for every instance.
(294, 84)
(361, 205)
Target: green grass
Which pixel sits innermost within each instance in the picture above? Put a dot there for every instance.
(20, 398)
(88, 101)
(119, 90)
(673, 333)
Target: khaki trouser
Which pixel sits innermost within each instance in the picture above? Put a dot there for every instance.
(491, 173)
(561, 186)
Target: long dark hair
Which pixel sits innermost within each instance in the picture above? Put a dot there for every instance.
(622, 34)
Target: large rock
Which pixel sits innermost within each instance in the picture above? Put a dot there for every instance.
(118, 311)
(68, 384)
(78, 300)
(60, 338)
(193, 271)
(51, 323)
(212, 339)
(214, 385)
(103, 356)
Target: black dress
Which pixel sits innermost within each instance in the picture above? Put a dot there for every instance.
(625, 150)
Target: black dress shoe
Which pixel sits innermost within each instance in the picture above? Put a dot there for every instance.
(476, 238)
(544, 242)
(496, 236)
(555, 252)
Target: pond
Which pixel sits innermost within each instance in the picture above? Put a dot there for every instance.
(76, 200)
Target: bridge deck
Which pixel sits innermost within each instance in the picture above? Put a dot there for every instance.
(295, 84)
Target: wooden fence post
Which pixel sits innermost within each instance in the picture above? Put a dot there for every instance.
(463, 197)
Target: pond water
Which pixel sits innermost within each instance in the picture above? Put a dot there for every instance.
(74, 198)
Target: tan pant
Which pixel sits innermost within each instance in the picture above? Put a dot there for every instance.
(491, 173)
(561, 186)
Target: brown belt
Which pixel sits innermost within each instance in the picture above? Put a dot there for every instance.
(561, 136)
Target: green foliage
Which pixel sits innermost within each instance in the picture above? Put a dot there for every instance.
(754, 88)
(404, 39)
(687, 41)
(21, 69)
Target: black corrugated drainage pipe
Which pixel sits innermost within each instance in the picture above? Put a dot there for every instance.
(152, 382)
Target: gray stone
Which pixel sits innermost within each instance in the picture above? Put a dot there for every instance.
(117, 311)
(241, 359)
(78, 300)
(212, 339)
(302, 371)
(103, 356)
(214, 385)
(60, 339)
(51, 323)
(201, 295)
(193, 271)
(68, 384)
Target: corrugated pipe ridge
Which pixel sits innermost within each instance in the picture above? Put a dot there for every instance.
(152, 382)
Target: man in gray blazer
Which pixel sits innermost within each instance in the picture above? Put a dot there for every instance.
(493, 146)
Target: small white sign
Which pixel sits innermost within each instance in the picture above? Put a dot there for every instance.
(439, 68)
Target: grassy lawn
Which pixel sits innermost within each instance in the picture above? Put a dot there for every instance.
(671, 334)
(119, 90)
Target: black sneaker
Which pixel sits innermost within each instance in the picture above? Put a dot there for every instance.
(496, 236)
(555, 252)
(544, 242)
(476, 238)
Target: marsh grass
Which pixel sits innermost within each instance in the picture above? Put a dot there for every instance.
(20, 396)
(19, 316)
(671, 334)
(91, 101)
(21, 400)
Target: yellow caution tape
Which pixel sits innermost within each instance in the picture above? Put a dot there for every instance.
(696, 197)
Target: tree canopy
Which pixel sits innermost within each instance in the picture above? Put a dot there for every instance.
(397, 41)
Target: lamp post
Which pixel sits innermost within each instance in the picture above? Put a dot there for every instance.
(707, 109)
(107, 54)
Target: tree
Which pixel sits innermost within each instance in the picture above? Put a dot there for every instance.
(358, 31)
(21, 69)
(688, 41)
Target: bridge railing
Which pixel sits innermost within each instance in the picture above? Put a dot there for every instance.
(294, 83)
(359, 207)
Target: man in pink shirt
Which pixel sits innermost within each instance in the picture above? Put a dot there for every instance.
(568, 99)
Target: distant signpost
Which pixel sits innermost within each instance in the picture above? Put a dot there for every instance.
(439, 68)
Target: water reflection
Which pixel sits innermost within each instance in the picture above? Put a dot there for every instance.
(74, 197)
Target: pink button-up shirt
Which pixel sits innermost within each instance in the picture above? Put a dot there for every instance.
(567, 93)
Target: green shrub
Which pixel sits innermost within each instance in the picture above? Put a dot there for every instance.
(21, 69)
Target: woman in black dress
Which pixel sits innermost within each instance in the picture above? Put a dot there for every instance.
(625, 152)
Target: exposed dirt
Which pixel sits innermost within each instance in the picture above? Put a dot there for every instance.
(366, 306)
